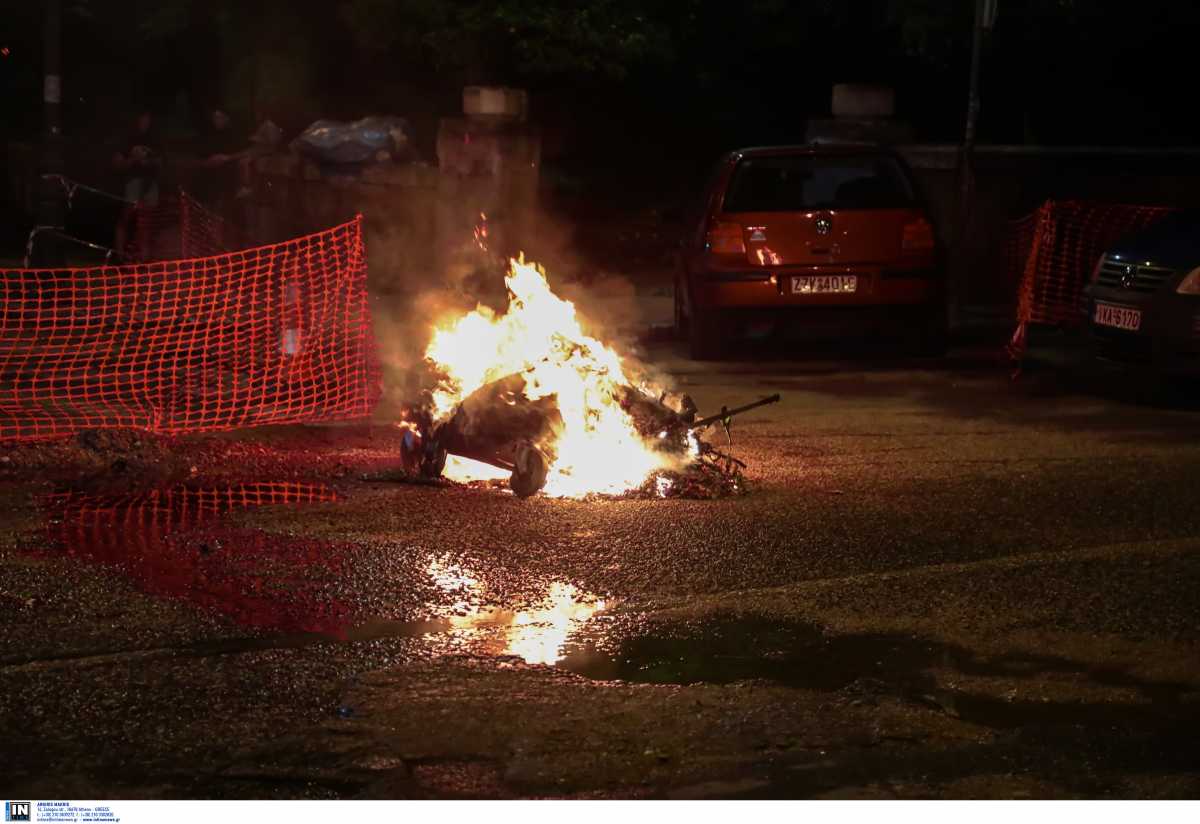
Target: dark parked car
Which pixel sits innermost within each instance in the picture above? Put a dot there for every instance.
(1144, 296)
(829, 237)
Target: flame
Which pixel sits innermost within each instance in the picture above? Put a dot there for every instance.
(466, 469)
(481, 232)
(767, 256)
(598, 448)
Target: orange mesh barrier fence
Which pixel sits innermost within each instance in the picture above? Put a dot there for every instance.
(1019, 243)
(1057, 247)
(1068, 238)
(274, 334)
(177, 227)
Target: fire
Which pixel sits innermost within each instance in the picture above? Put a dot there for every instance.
(598, 449)
(466, 469)
(481, 232)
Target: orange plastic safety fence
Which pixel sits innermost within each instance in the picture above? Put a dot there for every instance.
(1067, 239)
(274, 334)
(1018, 245)
(177, 227)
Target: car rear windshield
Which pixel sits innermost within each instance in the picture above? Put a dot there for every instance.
(801, 183)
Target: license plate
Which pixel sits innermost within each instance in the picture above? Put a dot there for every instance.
(1118, 317)
(824, 284)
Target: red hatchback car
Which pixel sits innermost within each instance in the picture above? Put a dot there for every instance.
(833, 237)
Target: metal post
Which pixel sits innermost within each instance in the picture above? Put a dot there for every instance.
(972, 111)
(52, 82)
(965, 173)
(51, 200)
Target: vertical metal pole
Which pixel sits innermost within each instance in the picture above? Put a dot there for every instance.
(51, 200)
(966, 174)
(52, 80)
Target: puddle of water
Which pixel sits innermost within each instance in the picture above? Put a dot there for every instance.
(105, 528)
(716, 652)
(172, 543)
(537, 633)
(795, 654)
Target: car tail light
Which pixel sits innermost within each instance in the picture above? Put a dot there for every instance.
(1096, 269)
(1190, 285)
(917, 236)
(725, 238)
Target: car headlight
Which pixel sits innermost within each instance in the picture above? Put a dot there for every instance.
(1190, 284)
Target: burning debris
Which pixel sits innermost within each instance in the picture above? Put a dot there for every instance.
(498, 425)
(528, 395)
(709, 473)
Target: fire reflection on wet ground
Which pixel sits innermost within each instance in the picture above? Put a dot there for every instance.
(178, 544)
(538, 633)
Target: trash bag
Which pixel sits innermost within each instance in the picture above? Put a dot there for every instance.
(267, 136)
(373, 139)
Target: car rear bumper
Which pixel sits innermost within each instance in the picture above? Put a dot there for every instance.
(877, 286)
(1168, 338)
(832, 322)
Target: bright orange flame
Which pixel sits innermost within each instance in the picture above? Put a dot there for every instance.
(598, 448)
(466, 469)
(481, 232)
(767, 256)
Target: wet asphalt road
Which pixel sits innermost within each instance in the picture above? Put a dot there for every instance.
(942, 583)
